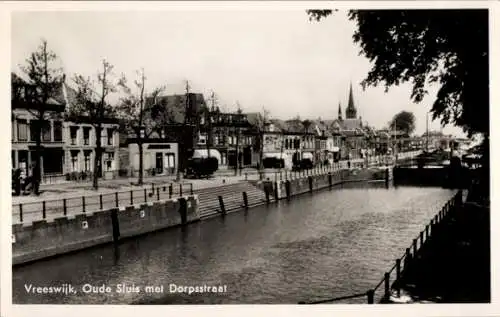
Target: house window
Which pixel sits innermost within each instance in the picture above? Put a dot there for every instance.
(46, 137)
(73, 133)
(110, 136)
(108, 161)
(86, 136)
(22, 130)
(57, 131)
(86, 159)
(74, 161)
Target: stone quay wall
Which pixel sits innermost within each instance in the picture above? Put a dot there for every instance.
(42, 239)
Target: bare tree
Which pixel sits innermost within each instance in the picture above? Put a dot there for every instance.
(135, 115)
(45, 81)
(91, 106)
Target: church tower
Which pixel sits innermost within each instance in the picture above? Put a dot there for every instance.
(340, 113)
(351, 112)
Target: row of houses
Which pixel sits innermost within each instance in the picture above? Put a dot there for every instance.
(194, 130)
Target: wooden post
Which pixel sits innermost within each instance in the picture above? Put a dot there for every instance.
(21, 212)
(180, 190)
(100, 202)
(116, 225)
(407, 257)
(387, 285)
(65, 210)
(44, 211)
(131, 197)
(221, 204)
(398, 275)
(116, 199)
(83, 203)
(245, 200)
(145, 195)
(191, 188)
(370, 294)
(287, 189)
(276, 184)
(170, 191)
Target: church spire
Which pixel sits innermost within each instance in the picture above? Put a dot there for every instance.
(350, 111)
(340, 112)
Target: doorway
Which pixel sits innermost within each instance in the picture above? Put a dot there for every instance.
(159, 162)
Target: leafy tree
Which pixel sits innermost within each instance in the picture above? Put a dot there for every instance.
(307, 125)
(135, 115)
(44, 80)
(403, 121)
(447, 47)
(92, 107)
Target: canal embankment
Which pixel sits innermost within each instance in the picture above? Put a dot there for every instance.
(45, 238)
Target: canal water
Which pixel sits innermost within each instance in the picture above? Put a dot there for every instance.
(329, 244)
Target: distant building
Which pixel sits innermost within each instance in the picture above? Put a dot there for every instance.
(167, 149)
(226, 135)
(351, 128)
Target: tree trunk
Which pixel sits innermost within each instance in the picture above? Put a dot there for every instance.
(97, 158)
(261, 150)
(209, 135)
(37, 170)
(237, 163)
(140, 181)
(180, 154)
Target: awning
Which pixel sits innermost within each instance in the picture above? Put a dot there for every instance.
(307, 155)
(276, 155)
(203, 153)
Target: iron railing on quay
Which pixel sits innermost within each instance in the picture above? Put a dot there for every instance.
(404, 262)
(92, 203)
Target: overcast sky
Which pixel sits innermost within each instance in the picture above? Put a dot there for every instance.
(273, 59)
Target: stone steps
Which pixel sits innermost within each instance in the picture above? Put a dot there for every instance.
(232, 196)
